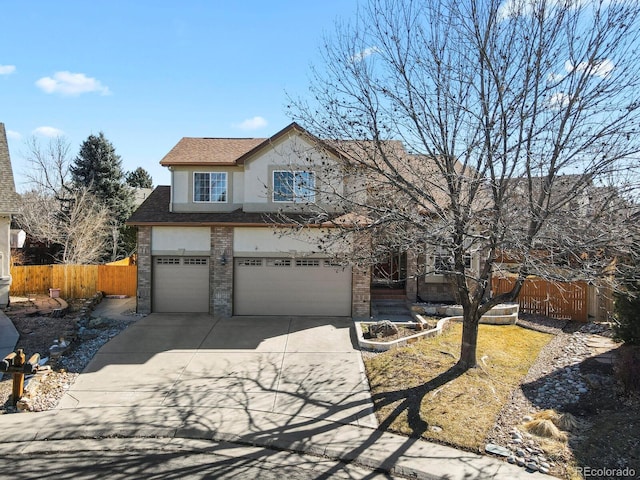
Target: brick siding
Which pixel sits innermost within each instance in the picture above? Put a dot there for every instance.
(361, 292)
(144, 270)
(221, 276)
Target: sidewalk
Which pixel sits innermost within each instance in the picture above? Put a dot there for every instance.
(187, 428)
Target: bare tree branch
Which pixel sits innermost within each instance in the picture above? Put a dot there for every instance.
(520, 121)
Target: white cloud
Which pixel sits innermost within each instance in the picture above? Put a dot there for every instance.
(50, 132)
(517, 8)
(71, 84)
(555, 77)
(254, 123)
(13, 135)
(599, 68)
(559, 100)
(7, 69)
(358, 57)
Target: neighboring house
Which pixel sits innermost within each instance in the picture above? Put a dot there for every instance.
(140, 195)
(8, 207)
(214, 242)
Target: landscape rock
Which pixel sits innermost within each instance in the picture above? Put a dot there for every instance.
(556, 381)
(498, 450)
(97, 322)
(384, 328)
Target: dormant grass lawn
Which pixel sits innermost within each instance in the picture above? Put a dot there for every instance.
(415, 392)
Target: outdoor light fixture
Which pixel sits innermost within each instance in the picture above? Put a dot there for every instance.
(223, 258)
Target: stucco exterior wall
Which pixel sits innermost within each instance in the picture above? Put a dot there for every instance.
(180, 240)
(5, 260)
(289, 153)
(182, 200)
(248, 242)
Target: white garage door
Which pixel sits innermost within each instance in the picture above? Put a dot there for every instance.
(180, 284)
(283, 286)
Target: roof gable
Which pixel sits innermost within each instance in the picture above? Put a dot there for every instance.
(209, 151)
(8, 196)
(227, 151)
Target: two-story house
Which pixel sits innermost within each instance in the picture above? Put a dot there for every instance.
(8, 207)
(212, 241)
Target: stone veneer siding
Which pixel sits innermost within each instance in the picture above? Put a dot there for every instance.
(411, 285)
(144, 270)
(361, 292)
(221, 276)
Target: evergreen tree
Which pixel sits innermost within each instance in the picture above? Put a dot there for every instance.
(139, 178)
(98, 168)
(627, 327)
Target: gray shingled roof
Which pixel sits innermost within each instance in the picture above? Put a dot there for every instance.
(8, 196)
(155, 211)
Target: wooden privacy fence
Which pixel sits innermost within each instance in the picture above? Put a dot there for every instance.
(74, 281)
(566, 300)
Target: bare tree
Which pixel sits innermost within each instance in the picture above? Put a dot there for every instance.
(519, 122)
(57, 212)
(80, 227)
(49, 165)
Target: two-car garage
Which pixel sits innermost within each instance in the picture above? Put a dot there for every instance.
(291, 286)
(261, 286)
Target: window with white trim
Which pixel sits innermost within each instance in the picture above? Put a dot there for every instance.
(294, 186)
(210, 187)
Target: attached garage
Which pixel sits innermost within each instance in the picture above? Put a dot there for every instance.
(180, 284)
(288, 286)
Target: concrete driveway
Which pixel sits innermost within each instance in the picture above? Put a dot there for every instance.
(302, 366)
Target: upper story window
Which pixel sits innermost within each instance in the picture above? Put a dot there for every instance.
(210, 187)
(294, 186)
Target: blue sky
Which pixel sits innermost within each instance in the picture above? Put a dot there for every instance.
(148, 73)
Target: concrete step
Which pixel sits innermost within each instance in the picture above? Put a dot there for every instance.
(388, 307)
(388, 294)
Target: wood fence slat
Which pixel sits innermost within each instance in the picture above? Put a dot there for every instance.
(118, 279)
(74, 281)
(556, 300)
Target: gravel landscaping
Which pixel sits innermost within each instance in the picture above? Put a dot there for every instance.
(84, 336)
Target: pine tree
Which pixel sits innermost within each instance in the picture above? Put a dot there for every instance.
(98, 168)
(139, 178)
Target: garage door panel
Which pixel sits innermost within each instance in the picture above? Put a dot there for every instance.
(288, 287)
(180, 284)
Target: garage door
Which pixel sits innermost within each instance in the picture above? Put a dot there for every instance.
(180, 284)
(283, 286)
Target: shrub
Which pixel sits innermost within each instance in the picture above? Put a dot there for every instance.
(544, 427)
(627, 314)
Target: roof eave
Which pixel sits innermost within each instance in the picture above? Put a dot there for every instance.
(198, 164)
(225, 224)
